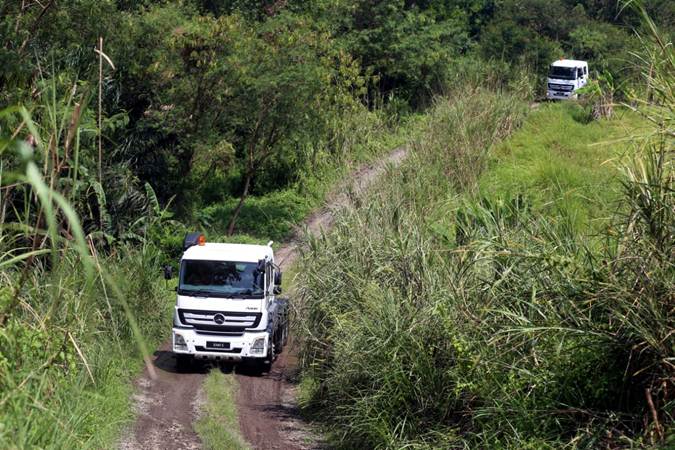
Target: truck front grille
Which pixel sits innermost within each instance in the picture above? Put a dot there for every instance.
(219, 321)
(560, 87)
(220, 333)
(235, 351)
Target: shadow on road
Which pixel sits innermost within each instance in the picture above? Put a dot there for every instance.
(248, 370)
(167, 362)
(284, 412)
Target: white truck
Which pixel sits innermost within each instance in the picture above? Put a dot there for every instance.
(565, 78)
(227, 304)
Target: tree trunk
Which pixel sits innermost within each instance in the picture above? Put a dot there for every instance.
(242, 199)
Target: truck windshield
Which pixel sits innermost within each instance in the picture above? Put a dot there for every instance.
(563, 73)
(221, 279)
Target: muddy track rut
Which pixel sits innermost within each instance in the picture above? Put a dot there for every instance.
(167, 406)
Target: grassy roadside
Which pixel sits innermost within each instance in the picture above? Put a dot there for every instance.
(81, 397)
(105, 410)
(483, 298)
(565, 165)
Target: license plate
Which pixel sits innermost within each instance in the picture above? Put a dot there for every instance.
(224, 345)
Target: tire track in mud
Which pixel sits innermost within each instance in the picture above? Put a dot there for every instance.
(168, 405)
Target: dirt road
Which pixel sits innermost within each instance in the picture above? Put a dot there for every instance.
(168, 406)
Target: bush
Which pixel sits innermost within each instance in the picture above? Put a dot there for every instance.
(270, 217)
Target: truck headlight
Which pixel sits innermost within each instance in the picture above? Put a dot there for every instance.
(179, 342)
(258, 345)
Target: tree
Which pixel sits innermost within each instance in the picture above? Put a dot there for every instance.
(283, 72)
(606, 46)
(406, 45)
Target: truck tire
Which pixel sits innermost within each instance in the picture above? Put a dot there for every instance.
(278, 343)
(283, 327)
(281, 334)
(265, 365)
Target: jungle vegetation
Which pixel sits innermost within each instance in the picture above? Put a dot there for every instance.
(124, 124)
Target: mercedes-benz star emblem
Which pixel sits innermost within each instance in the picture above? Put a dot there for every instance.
(219, 319)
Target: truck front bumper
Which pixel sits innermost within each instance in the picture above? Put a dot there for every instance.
(560, 95)
(251, 345)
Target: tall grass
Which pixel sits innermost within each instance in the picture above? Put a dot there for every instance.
(377, 346)
(74, 311)
(439, 315)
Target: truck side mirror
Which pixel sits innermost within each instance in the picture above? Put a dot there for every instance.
(168, 272)
(277, 290)
(277, 279)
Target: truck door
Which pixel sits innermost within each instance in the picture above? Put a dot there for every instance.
(581, 77)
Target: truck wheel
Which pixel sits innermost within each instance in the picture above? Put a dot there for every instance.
(283, 329)
(265, 366)
(279, 340)
(284, 339)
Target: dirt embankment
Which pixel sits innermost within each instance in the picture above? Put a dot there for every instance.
(168, 406)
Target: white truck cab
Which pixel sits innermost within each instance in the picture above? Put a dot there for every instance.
(565, 78)
(227, 304)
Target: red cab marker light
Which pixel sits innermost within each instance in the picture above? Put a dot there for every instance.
(201, 241)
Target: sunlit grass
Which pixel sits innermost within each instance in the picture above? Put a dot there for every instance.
(563, 166)
(218, 426)
(509, 296)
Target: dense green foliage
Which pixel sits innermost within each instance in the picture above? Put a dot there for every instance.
(213, 100)
(188, 115)
(73, 311)
(238, 116)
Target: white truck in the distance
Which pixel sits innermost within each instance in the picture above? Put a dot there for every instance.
(565, 78)
(227, 304)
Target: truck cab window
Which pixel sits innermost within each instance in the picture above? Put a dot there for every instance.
(562, 73)
(221, 279)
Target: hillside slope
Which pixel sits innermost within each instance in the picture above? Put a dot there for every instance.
(486, 296)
